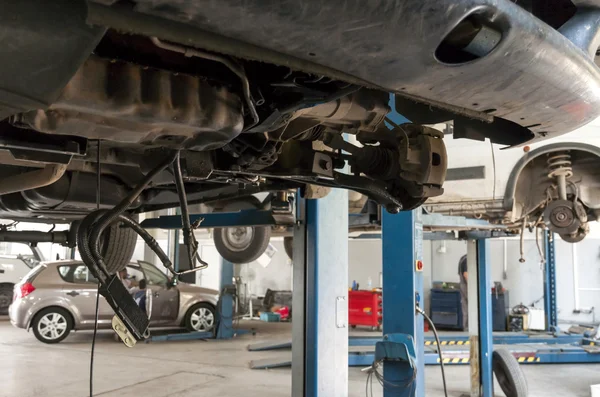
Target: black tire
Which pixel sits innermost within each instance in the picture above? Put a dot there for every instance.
(118, 244)
(288, 245)
(65, 318)
(189, 321)
(6, 292)
(509, 374)
(258, 237)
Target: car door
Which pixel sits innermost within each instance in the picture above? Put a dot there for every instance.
(79, 292)
(165, 298)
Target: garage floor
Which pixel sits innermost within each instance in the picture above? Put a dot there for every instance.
(207, 368)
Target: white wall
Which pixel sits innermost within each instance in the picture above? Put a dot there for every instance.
(277, 275)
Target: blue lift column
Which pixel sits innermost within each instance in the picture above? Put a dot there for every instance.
(320, 297)
(225, 309)
(402, 244)
(550, 283)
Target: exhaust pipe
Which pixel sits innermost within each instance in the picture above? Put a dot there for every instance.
(32, 179)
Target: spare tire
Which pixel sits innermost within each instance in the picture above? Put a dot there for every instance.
(509, 374)
(116, 246)
(242, 244)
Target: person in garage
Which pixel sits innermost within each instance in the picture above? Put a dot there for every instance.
(125, 279)
(464, 278)
(140, 296)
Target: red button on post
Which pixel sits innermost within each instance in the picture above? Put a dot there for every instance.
(419, 266)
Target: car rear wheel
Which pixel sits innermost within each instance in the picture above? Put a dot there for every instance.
(200, 318)
(6, 291)
(52, 325)
(242, 244)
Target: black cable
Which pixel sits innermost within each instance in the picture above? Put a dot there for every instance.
(439, 347)
(97, 289)
(189, 239)
(110, 216)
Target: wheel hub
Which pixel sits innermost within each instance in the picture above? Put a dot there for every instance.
(238, 238)
(560, 217)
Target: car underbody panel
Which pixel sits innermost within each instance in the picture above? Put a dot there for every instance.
(517, 67)
(256, 96)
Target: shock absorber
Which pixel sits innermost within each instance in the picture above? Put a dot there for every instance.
(560, 169)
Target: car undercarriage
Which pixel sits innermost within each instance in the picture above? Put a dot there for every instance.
(244, 121)
(133, 106)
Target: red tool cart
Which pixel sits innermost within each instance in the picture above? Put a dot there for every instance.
(365, 308)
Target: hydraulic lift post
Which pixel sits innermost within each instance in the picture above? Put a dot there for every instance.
(480, 317)
(550, 283)
(320, 297)
(402, 244)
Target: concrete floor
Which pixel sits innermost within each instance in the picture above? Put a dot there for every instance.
(207, 368)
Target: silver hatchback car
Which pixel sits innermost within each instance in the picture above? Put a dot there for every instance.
(57, 297)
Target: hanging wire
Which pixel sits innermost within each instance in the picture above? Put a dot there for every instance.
(439, 346)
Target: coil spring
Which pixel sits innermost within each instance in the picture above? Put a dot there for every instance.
(560, 164)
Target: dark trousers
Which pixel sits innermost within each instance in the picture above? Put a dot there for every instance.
(464, 301)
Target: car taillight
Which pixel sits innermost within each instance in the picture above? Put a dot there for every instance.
(24, 289)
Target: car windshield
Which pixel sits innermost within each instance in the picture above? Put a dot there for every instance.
(153, 275)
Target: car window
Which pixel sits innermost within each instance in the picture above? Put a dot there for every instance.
(78, 274)
(135, 274)
(153, 275)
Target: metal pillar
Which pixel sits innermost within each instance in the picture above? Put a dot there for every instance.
(319, 329)
(486, 338)
(225, 309)
(480, 318)
(550, 283)
(402, 244)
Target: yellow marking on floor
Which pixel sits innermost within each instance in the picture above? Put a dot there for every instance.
(530, 359)
(465, 360)
(521, 359)
(444, 343)
(460, 342)
(451, 342)
(455, 360)
(537, 360)
(446, 360)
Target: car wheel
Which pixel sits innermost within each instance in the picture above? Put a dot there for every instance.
(242, 244)
(6, 291)
(52, 325)
(200, 318)
(288, 245)
(509, 374)
(117, 246)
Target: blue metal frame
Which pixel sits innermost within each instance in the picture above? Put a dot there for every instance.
(504, 338)
(320, 297)
(486, 343)
(225, 305)
(550, 283)
(252, 217)
(402, 238)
